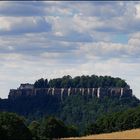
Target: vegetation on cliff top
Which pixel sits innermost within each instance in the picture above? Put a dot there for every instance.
(92, 81)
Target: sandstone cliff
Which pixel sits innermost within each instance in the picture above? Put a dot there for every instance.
(61, 93)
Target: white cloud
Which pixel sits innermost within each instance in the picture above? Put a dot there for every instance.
(17, 25)
(84, 24)
(137, 11)
(4, 24)
(52, 39)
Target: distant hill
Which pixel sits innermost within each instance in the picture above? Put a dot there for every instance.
(79, 100)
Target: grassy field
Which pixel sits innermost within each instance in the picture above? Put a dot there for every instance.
(128, 134)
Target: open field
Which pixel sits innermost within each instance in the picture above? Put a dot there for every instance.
(128, 134)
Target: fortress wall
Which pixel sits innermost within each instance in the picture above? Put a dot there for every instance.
(126, 92)
(115, 92)
(64, 92)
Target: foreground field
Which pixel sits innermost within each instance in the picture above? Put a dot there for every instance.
(128, 134)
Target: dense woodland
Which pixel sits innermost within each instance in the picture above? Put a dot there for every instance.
(92, 81)
(75, 109)
(16, 127)
(119, 121)
(13, 126)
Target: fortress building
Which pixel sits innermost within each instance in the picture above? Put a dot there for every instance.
(61, 93)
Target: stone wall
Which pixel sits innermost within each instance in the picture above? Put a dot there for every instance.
(64, 92)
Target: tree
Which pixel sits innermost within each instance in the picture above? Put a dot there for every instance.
(13, 127)
(54, 128)
(3, 134)
(39, 83)
(66, 81)
(123, 120)
(34, 127)
(72, 131)
(46, 84)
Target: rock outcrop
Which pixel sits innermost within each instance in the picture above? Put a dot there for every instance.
(29, 90)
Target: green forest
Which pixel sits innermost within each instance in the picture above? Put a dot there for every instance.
(16, 127)
(118, 121)
(13, 126)
(75, 110)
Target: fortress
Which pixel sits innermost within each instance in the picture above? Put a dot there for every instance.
(61, 93)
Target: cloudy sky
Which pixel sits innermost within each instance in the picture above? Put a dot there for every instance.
(56, 38)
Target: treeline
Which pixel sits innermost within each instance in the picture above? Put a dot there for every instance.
(92, 81)
(15, 127)
(75, 109)
(129, 119)
(81, 111)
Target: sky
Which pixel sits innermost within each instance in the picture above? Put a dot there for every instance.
(50, 39)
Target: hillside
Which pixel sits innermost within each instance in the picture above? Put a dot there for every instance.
(128, 134)
(79, 101)
(13, 126)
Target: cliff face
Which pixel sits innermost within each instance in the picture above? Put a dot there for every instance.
(64, 92)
